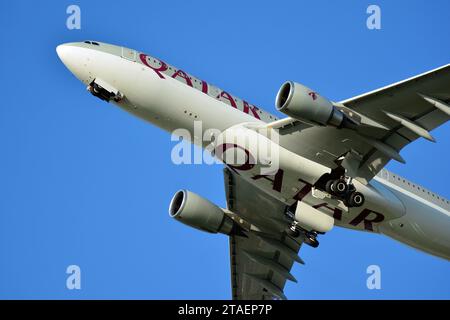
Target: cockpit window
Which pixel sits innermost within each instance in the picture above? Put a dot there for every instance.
(92, 42)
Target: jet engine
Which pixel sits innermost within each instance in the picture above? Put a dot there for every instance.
(302, 103)
(197, 212)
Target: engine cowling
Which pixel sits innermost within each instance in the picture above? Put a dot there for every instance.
(198, 212)
(302, 103)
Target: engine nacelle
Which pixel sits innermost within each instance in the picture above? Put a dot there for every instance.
(197, 212)
(302, 103)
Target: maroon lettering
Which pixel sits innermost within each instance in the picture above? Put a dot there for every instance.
(248, 107)
(303, 192)
(183, 75)
(163, 66)
(228, 97)
(204, 87)
(313, 95)
(362, 217)
(277, 181)
(249, 162)
(337, 213)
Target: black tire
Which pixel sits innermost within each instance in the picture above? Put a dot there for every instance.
(292, 233)
(328, 186)
(356, 199)
(339, 187)
(311, 242)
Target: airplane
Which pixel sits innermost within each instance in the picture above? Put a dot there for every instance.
(287, 180)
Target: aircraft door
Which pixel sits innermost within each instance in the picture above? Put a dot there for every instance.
(129, 54)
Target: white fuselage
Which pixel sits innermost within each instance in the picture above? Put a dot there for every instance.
(171, 99)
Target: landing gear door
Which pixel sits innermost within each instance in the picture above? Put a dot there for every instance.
(129, 54)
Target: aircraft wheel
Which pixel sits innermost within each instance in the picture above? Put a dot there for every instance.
(311, 241)
(356, 199)
(339, 187)
(293, 233)
(328, 186)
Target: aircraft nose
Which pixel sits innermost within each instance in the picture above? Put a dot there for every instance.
(75, 58)
(60, 51)
(66, 54)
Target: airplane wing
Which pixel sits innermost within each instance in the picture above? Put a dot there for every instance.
(417, 103)
(392, 117)
(261, 256)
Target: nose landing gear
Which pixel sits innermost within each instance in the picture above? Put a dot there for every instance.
(104, 91)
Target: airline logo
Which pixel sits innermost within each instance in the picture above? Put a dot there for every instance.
(163, 70)
(366, 218)
(313, 95)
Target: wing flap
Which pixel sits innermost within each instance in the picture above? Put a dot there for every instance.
(260, 261)
(259, 271)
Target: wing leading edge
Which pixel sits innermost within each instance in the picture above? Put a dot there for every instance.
(391, 118)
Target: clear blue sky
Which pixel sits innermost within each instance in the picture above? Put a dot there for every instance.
(84, 183)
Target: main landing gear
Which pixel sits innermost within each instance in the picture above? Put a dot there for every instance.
(309, 237)
(344, 189)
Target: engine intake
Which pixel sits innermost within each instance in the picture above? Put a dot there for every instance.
(198, 212)
(302, 103)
